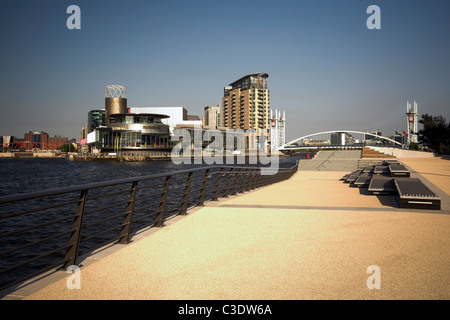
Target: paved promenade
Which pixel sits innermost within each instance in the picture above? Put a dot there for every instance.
(311, 237)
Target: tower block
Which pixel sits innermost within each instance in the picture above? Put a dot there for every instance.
(412, 122)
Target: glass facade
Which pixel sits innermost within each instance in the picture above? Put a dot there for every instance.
(126, 139)
(134, 118)
(96, 118)
(251, 81)
(129, 132)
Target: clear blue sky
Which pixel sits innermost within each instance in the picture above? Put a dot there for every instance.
(326, 69)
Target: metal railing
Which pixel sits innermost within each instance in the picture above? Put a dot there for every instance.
(51, 229)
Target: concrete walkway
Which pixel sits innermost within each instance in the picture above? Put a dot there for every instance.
(311, 237)
(332, 160)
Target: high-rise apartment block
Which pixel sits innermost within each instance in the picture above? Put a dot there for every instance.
(245, 104)
(211, 117)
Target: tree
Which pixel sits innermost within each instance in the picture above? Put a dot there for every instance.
(413, 146)
(67, 148)
(435, 133)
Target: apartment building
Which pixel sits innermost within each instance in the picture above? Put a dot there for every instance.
(245, 104)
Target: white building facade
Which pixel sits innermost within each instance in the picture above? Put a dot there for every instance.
(412, 118)
(277, 130)
(177, 115)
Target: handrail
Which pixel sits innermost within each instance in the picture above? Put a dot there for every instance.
(52, 192)
(95, 185)
(75, 226)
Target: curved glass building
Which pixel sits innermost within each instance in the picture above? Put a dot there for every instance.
(126, 132)
(134, 132)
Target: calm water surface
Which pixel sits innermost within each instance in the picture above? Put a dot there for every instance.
(28, 175)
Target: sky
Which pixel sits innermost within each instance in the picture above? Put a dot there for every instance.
(327, 69)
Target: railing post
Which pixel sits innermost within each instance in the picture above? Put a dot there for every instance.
(236, 182)
(216, 192)
(227, 188)
(260, 180)
(257, 179)
(254, 179)
(126, 224)
(250, 181)
(271, 179)
(203, 191)
(159, 221)
(75, 236)
(267, 179)
(186, 193)
(244, 175)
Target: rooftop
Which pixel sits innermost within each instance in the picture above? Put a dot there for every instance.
(257, 74)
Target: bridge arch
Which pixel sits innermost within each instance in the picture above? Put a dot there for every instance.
(284, 147)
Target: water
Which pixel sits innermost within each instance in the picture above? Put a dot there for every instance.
(30, 175)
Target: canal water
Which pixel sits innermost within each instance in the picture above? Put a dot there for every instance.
(31, 175)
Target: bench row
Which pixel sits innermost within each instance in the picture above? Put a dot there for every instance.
(392, 178)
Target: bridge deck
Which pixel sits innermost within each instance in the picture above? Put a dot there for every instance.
(284, 241)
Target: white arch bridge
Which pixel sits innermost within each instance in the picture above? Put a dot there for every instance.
(336, 138)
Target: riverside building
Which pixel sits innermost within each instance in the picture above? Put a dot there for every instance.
(277, 130)
(175, 116)
(211, 117)
(245, 105)
(96, 119)
(125, 132)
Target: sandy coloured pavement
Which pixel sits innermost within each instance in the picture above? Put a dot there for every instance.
(436, 170)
